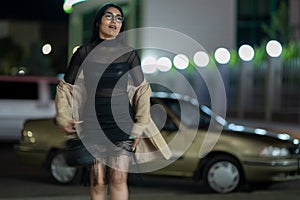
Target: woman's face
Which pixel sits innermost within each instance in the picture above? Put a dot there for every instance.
(110, 24)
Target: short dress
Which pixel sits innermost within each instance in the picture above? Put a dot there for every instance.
(107, 115)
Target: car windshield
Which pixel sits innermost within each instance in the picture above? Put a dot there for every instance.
(189, 116)
(207, 111)
(191, 111)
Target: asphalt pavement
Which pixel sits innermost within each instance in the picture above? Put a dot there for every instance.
(261, 195)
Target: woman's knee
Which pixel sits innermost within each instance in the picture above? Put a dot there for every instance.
(98, 178)
(98, 186)
(118, 178)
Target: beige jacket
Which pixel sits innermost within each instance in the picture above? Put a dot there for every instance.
(151, 146)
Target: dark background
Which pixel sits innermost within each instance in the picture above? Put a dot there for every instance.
(53, 24)
(49, 10)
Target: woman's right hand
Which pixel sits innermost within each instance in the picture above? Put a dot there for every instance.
(69, 127)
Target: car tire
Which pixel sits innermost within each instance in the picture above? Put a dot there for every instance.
(222, 174)
(60, 172)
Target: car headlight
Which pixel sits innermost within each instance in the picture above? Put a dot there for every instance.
(271, 151)
(28, 136)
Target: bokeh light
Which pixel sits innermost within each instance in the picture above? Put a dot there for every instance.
(181, 61)
(274, 48)
(68, 5)
(246, 52)
(75, 49)
(201, 59)
(164, 64)
(222, 55)
(46, 49)
(149, 65)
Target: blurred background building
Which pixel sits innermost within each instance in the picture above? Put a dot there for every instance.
(25, 27)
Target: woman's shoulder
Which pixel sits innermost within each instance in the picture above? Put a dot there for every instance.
(85, 49)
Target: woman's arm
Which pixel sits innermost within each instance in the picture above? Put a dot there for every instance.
(141, 104)
(140, 96)
(64, 92)
(63, 105)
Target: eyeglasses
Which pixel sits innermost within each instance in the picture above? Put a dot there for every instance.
(110, 16)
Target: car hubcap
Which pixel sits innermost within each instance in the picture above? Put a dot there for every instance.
(61, 171)
(223, 177)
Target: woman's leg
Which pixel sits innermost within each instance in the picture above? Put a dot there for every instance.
(98, 182)
(118, 174)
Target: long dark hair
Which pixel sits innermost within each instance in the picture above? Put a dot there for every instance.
(97, 19)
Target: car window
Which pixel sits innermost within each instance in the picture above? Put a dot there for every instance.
(163, 122)
(170, 125)
(18, 90)
(204, 121)
(188, 114)
(52, 90)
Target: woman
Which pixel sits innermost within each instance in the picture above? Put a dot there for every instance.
(108, 73)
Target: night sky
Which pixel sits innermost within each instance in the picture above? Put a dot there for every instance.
(50, 10)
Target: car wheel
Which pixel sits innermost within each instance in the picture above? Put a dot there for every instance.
(60, 171)
(222, 174)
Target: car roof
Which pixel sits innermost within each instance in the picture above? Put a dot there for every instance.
(175, 96)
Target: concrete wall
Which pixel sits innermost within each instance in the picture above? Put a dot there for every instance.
(212, 23)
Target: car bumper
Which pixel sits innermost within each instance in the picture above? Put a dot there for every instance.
(272, 170)
(30, 156)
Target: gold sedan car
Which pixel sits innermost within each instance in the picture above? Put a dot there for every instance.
(205, 147)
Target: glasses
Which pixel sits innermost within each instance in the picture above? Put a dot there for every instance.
(110, 16)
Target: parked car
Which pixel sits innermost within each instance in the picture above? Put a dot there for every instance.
(241, 154)
(24, 97)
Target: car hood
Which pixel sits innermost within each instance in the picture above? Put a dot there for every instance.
(241, 129)
(232, 127)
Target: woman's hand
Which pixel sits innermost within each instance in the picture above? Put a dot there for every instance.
(69, 127)
(135, 143)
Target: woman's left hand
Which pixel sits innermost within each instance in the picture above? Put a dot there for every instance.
(135, 143)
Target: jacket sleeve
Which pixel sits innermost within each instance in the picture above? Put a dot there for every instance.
(65, 89)
(152, 144)
(141, 104)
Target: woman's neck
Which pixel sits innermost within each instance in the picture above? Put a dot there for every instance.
(106, 38)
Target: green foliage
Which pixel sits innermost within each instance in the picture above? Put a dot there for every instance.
(260, 54)
(279, 28)
(290, 51)
(234, 58)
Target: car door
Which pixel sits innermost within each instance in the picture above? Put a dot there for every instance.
(176, 134)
